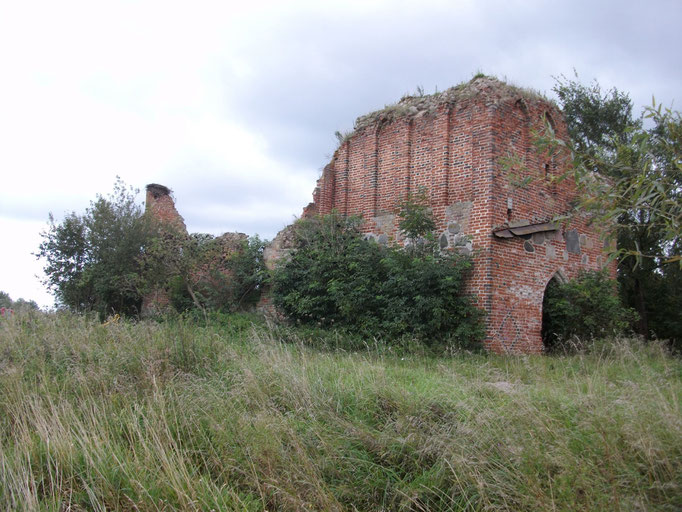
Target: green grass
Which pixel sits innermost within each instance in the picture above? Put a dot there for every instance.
(172, 416)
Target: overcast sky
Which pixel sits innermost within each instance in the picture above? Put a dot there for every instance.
(234, 105)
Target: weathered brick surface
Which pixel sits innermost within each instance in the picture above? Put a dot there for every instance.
(453, 146)
(160, 206)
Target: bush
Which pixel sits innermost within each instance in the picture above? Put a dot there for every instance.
(92, 260)
(336, 278)
(580, 310)
(204, 272)
(231, 278)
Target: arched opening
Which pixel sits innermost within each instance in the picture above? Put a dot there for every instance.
(549, 327)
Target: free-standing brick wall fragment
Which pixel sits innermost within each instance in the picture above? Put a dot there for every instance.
(456, 145)
(160, 206)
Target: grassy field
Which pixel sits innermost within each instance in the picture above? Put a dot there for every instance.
(173, 416)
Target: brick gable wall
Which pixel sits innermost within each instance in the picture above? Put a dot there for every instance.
(454, 147)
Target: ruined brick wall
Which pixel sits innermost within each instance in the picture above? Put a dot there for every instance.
(520, 267)
(159, 205)
(453, 145)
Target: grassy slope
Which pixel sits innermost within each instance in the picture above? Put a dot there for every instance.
(166, 417)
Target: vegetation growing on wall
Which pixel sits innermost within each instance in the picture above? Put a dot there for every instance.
(336, 278)
(207, 273)
(418, 104)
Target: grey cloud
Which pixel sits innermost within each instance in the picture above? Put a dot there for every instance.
(213, 197)
(266, 224)
(314, 73)
(316, 76)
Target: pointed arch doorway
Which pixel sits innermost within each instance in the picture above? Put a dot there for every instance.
(548, 335)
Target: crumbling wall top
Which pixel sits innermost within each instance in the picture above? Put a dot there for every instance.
(161, 207)
(423, 104)
(157, 190)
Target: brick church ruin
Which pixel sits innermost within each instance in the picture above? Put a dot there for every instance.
(456, 146)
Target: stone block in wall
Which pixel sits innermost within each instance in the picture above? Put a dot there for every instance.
(572, 241)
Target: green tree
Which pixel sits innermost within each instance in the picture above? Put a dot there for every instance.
(596, 120)
(92, 260)
(630, 179)
(24, 305)
(17, 305)
(5, 300)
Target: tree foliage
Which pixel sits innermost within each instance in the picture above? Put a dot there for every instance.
(17, 305)
(337, 278)
(630, 181)
(582, 309)
(92, 259)
(205, 272)
(630, 177)
(5, 300)
(596, 120)
(416, 221)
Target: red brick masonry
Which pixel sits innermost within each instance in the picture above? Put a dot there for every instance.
(456, 146)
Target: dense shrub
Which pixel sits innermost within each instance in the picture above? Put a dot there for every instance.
(207, 273)
(92, 260)
(580, 310)
(335, 277)
(232, 280)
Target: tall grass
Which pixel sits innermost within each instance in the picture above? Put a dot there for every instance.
(174, 416)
